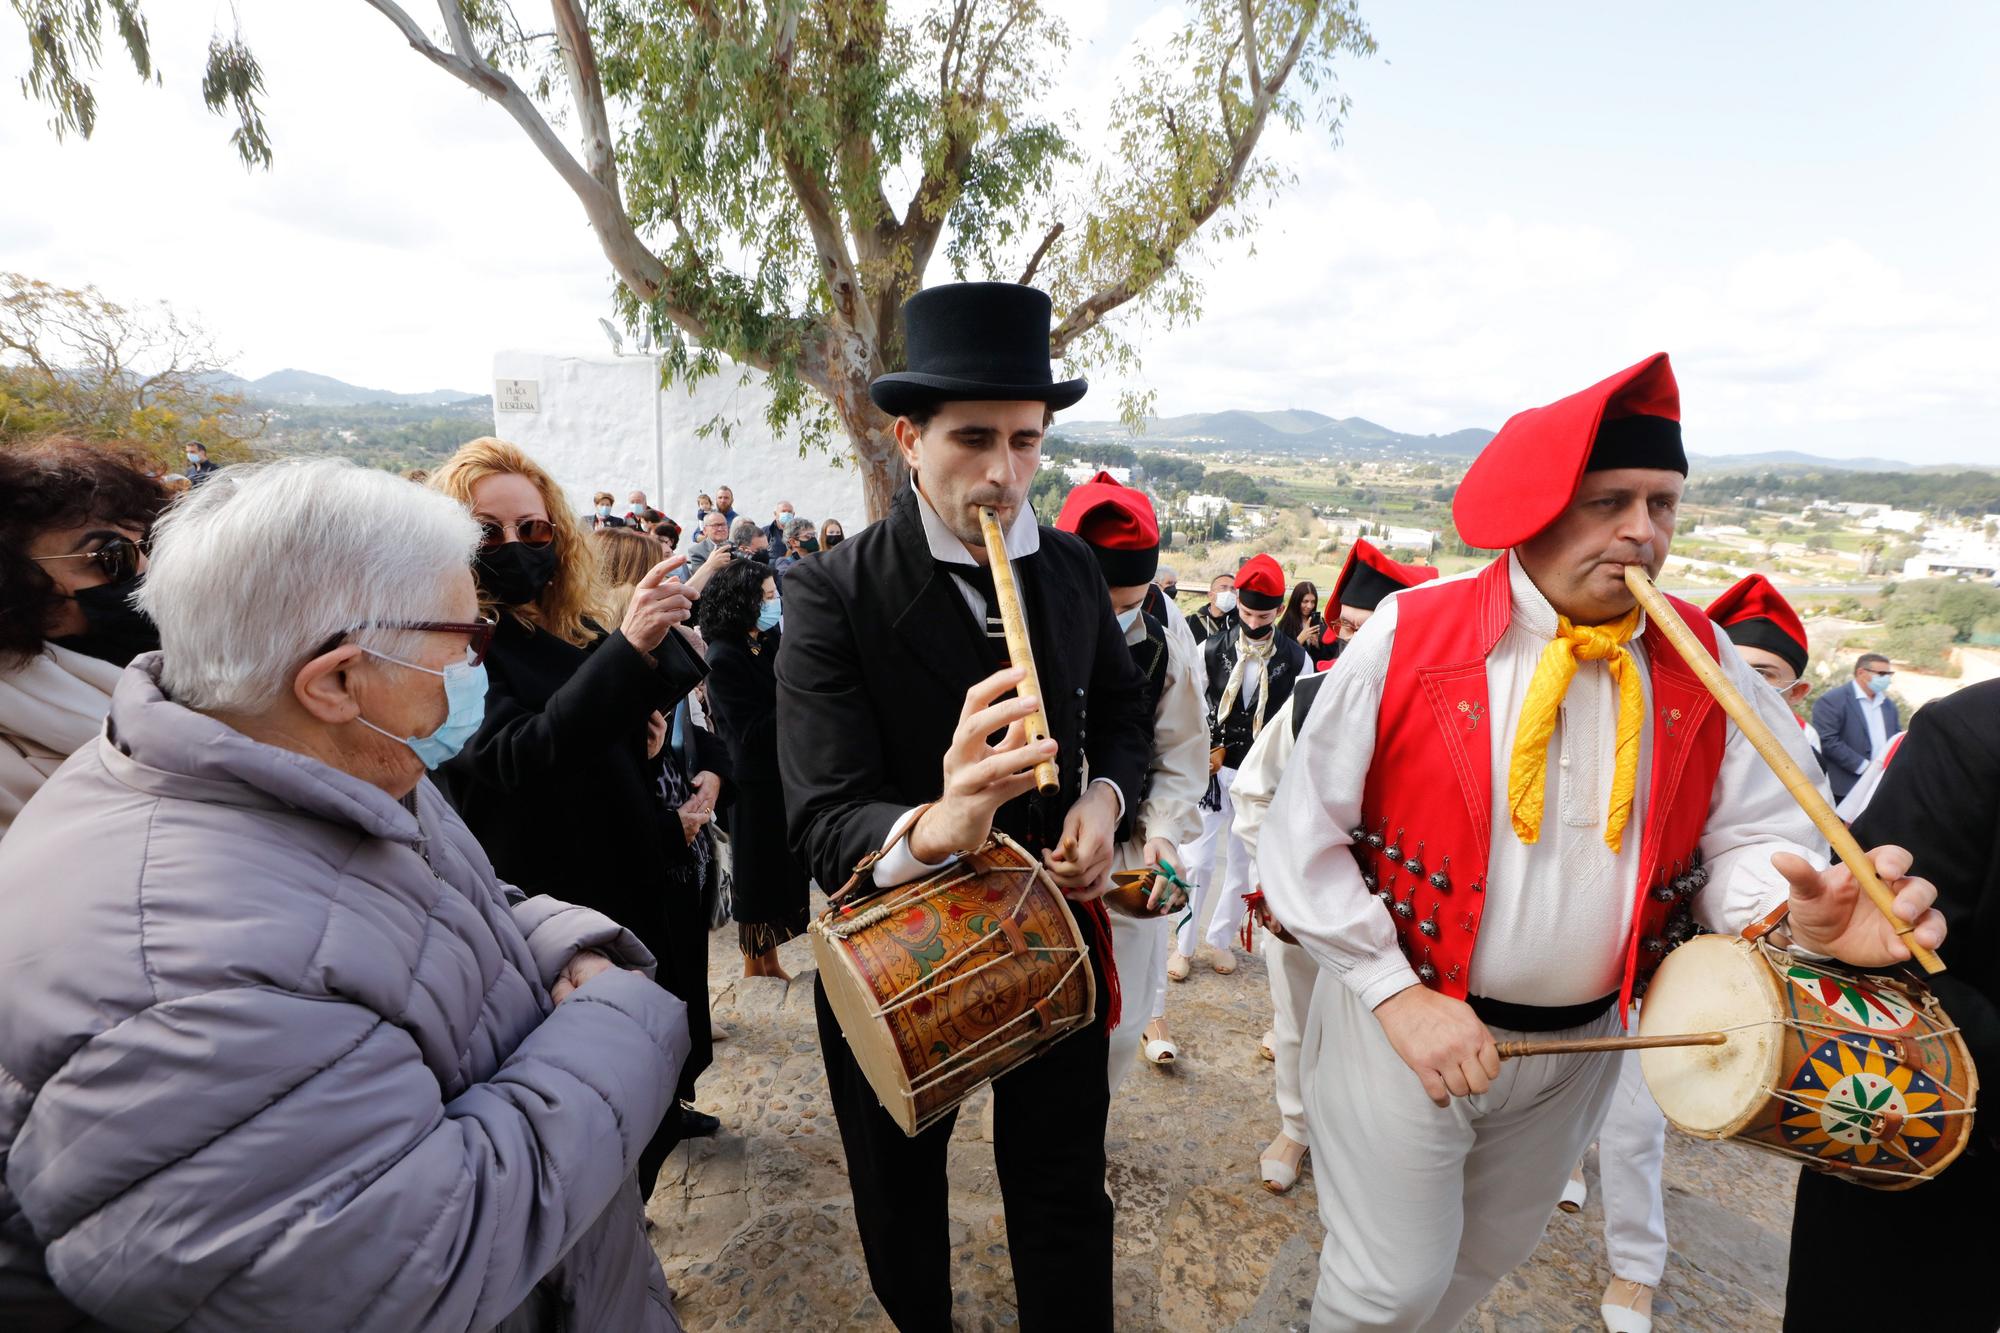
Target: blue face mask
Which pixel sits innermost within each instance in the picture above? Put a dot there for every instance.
(1878, 686)
(1130, 618)
(770, 614)
(465, 704)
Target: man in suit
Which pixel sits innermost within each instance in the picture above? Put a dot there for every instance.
(898, 741)
(1940, 799)
(1855, 723)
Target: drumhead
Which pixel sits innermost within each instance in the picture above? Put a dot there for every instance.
(1711, 983)
(853, 1003)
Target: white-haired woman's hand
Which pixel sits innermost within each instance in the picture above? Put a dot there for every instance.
(659, 603)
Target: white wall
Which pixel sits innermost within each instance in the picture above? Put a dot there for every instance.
(602, 424)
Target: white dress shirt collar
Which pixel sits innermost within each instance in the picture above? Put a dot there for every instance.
(1024, 535)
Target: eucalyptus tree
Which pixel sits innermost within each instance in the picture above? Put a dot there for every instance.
(771, 179)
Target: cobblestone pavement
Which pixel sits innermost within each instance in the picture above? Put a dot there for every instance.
(756, 1229)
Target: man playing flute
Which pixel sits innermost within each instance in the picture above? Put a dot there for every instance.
(899, 734)
(1510, 800)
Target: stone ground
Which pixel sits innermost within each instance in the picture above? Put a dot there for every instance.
(756, 1228)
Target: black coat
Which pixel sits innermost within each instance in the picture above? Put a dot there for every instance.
(1287, 664)
(879, 651)
(1201, 624)
(557, 787)
(743, 699)
(1940, 799)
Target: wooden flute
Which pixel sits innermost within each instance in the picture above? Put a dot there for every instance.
(1803, 789)
(1019, 651)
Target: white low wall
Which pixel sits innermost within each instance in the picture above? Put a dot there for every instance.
(601, 423)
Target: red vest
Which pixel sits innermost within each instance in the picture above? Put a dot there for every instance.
(1426, 810)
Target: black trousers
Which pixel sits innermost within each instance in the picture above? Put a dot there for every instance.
(1933, 1249)
(1048, 1148)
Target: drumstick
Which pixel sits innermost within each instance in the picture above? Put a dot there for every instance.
(1803, 789)
(1513, 1050)
(1019, 651)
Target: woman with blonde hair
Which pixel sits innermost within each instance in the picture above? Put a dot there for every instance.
(566, 762)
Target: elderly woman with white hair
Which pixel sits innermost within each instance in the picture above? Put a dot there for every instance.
(280, 1051)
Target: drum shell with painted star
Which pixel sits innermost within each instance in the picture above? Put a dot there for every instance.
(1858, 1075)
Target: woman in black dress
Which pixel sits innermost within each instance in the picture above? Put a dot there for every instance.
(740, 620)
(567, 762)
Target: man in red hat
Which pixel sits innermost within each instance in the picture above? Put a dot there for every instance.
(1250, 667)
(1510, 800)
(1365, 580)
(1119, 525)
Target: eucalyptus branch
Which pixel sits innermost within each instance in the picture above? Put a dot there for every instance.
(1035, 262)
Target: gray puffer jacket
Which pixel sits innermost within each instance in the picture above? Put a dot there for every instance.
(277, 1052)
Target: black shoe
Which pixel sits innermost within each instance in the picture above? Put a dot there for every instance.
(695, 1124)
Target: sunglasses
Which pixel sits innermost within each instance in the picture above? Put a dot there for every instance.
(117, 559)
(528, 532)
(478, 633)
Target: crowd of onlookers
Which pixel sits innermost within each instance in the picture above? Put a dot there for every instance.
(325, 1007)
(781, 543)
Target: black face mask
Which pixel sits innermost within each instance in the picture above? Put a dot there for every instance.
(833, 539)
(1260, 631)
(810, 545)
(116, 631)
(515, 573)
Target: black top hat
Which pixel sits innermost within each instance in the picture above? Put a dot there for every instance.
(977, 342)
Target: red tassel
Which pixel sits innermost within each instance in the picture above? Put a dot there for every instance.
(1254, 901)
(1100, 930)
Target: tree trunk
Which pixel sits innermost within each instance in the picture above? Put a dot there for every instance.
(883, 472)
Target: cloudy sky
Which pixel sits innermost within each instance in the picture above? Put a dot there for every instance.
(1796, 200)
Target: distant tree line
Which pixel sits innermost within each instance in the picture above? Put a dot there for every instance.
(1966, 493)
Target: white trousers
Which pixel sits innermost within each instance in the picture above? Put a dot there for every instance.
(1217, 827)
(1630, 1148)
(1427, 1208)
(1293, 974)
(1140, 950)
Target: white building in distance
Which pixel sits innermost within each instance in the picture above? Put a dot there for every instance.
(602, 423)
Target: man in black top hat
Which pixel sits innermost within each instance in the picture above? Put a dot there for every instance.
(891, 693)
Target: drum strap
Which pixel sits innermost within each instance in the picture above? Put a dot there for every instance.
(868, 862)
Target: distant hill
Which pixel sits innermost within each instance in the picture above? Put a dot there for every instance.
(1296, 430)
(303, 388)
(1791, 460)
(1292, 431)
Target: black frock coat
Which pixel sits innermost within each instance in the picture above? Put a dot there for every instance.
(769, 886)
(879, 650)
(557, 787)
(1940, 800)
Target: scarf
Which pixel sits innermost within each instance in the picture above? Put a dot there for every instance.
(1527, 774)
(1250, 652)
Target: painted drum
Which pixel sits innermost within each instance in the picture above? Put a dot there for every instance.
(943, 984)
(1860, 1075)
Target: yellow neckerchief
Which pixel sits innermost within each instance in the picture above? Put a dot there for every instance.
(1527, 773)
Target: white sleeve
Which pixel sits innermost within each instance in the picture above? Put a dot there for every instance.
(1257, 778)
(1750, 814)
(1310, 879)
(899, 865)
(1179, 772)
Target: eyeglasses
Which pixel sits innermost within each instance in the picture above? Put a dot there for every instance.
(478, 633)
(528, 532)
(117, 559)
